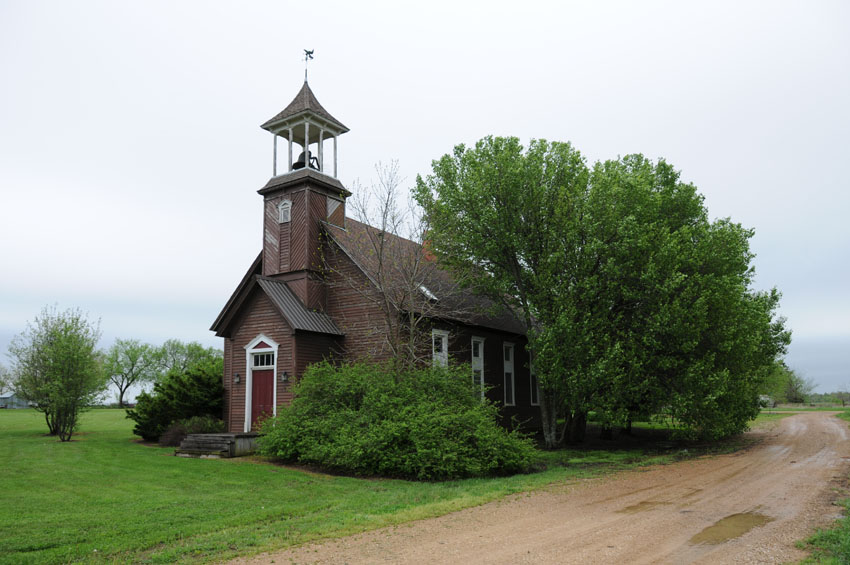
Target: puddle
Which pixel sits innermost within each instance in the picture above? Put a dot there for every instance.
(731, 527)
(641, 507)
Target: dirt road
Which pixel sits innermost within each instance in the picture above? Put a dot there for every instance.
(748, 507)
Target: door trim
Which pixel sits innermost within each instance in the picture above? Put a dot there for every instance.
(260, 344)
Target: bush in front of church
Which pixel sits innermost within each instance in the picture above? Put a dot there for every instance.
(179, 395)
(367, 419)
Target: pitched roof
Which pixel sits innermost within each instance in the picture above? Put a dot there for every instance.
(299, 316)
(455, 303)
(296, 314)
(304, 101)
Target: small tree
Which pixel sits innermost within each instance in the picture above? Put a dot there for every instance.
(57, 366)
(798, 389)
(405, 282)
(6, 380)
(129, 362)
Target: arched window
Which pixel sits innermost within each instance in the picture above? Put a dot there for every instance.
(284, 211)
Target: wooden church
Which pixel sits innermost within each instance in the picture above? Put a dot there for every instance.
(301, 300)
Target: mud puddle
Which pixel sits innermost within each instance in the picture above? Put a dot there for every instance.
(730, 527)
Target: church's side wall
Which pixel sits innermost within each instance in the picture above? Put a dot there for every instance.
(460, 350)
(258, 316)
(361, 319)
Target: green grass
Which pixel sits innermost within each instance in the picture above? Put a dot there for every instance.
(104, 497)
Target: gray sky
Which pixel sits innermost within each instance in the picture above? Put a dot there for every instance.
(130, 147)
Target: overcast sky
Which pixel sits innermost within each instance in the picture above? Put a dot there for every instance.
(130, 147)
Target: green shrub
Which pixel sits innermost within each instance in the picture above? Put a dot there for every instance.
(178, 430)
(196, 391)
(367, 419)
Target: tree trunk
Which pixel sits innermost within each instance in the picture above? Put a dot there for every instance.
(549, 419)
(607, 432)
(626, 430)
(576, 426)
(549, 422)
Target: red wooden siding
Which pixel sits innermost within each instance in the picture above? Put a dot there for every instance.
(258, 317)
(297, 237)
(271, 237)
(337, 216)
(318, 212)
(360, 319)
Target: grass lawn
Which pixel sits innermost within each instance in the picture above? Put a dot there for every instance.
(105, 497)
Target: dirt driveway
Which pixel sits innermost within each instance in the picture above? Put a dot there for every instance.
(748, 507)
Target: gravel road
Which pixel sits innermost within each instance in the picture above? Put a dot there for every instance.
(747, 507)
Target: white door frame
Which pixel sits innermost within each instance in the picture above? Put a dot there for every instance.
(250, 350)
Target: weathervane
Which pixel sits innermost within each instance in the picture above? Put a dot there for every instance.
(307, 56)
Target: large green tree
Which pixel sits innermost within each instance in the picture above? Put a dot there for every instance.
(58, 367)
(175, 355)
(129, 362)
(633, 300)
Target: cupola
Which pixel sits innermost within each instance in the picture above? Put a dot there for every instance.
(304, 122)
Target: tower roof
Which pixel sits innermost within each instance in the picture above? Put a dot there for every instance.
(304, 102)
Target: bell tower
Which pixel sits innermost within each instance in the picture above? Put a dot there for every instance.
(301, 195)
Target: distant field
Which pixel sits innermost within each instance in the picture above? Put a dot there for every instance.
(104, 497)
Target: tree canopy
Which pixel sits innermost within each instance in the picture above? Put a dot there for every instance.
(634, 302)
(129, 362)
(57, 366)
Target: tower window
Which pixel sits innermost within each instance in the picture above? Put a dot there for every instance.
(284, 211)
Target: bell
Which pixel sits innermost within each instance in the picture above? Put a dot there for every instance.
(303, 159)
(299, 164)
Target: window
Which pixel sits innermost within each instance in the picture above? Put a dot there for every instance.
(263, 360)
(535, 385)
(478, 364)
(509, 374)
(440, 347)
(284, 211)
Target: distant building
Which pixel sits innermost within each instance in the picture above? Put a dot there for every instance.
(12, 400)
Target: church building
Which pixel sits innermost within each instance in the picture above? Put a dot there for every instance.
(301, 299)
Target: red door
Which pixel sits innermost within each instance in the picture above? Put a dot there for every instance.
(262, 396)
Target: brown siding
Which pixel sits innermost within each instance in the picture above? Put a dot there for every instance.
(312, 348)
(360, 319)
(283, 265)
(318, 211)
(337, 217)
(460, 344)
(297, 238)
(271, 237)
(258, 316)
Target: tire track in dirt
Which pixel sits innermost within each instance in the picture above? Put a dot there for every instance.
(646, 516)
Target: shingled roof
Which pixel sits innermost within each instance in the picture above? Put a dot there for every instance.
(456, 304)
(304, 101)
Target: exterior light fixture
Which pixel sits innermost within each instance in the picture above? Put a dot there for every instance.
(236, 378)
(284, 377)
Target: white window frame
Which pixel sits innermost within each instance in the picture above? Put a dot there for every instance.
(533, 383)
(250, 350)
(509, 368)
(440, 359)
(480, 360)
(284, 211)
